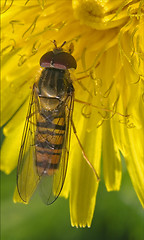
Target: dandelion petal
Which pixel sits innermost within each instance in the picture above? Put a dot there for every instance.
(111, 160)
(84, 185)
(10, 149)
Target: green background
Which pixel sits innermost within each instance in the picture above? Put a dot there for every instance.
(118, 215)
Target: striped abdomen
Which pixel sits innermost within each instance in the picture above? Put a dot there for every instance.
(49, 142)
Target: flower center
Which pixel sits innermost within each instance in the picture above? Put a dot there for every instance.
(99, 14)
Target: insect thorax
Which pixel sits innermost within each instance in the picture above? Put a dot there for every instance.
(55, 83)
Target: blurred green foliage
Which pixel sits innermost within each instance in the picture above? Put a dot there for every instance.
(118, 216)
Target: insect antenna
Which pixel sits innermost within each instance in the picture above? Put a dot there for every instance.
(55, 43)
(63, 44)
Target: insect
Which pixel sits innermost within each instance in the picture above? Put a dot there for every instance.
(44, 152)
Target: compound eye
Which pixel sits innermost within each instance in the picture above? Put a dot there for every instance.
(46, 59)
(65, 59)
(61, 60)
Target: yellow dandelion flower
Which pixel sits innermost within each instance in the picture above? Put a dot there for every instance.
(108, 38)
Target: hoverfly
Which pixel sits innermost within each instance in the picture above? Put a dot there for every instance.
(44, 152)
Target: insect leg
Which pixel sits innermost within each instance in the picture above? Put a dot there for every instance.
(83, 152)
(101, 108)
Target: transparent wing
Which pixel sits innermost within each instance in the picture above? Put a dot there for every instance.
(50, 186)
(27, 177)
